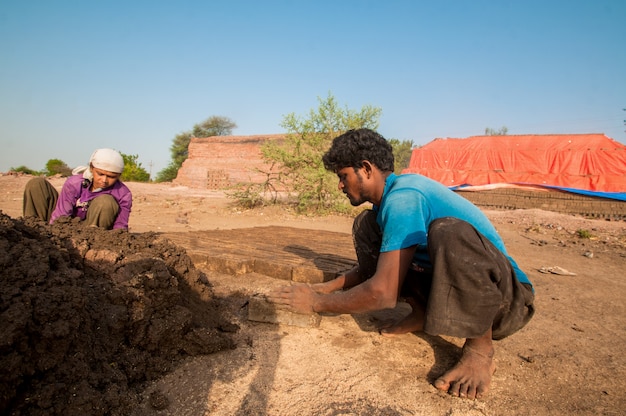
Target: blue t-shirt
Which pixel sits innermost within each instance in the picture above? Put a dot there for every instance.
(411, 202)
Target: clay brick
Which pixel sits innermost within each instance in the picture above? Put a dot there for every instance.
(230, 265)
(273, 269)
(307, 275)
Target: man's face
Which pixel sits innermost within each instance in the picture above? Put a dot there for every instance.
(103, 178)
(351, 184)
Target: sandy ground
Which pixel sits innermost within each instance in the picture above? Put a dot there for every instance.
(570, 359)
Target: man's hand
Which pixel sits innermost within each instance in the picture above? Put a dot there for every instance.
(298, 298)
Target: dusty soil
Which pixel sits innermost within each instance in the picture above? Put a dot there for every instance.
(96, 322)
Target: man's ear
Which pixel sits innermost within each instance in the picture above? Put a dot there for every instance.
(368, 167)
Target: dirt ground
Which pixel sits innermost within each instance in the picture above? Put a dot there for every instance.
(97, 322)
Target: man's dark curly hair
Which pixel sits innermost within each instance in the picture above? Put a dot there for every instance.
(354, 146)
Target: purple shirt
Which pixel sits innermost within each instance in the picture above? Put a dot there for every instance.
(73, 195)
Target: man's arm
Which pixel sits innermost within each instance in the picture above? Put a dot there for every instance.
(124, 199)
(344, 281)
(379, 292)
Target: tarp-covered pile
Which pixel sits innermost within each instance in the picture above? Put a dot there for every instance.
(591, 164)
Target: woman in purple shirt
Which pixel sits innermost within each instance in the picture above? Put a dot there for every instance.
(94, 194)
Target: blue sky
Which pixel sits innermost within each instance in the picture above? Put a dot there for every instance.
(80, 75)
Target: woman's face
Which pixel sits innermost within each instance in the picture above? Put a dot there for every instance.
(103, 178)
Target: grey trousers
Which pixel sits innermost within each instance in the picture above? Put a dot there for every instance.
(40, 199)
(469, 287)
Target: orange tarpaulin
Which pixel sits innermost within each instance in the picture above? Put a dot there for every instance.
(589, 162)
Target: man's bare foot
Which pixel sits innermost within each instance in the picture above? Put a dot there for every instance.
(471, 376)
(413, 322)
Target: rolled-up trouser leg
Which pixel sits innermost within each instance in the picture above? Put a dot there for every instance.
(367, 238)
(40, 199)
(473, 286)
(102, 212)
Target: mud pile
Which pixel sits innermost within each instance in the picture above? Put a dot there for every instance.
(87, 316)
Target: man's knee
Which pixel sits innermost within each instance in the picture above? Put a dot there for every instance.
(35, 182)
(39, 199)
(365, 223)
(446, 226)
(104, 202)
(102, 211)
(366, 232)
(367, 238)
(38, 186)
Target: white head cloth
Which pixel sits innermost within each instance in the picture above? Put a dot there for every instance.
(105, 159)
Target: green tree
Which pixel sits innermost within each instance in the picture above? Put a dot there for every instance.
(179, 150)
(133, 171)
(402, 151)
(57, 167)
(25, 169)
(493, 132)
(214, 126)
(298, 158)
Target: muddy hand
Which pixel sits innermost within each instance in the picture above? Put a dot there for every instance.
(298, 298)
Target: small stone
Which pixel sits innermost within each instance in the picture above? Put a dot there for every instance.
(158, 400)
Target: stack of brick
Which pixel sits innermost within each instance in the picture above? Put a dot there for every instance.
(555, 201)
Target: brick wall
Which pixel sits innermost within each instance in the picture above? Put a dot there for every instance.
(220, 161)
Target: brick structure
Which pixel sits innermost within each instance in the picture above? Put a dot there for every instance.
(221, 161)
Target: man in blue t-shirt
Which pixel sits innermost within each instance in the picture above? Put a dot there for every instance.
(423, 243)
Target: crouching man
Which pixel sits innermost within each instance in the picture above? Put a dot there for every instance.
(425, 244)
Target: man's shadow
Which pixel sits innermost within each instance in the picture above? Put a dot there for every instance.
(329, 263)
(446, 353)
